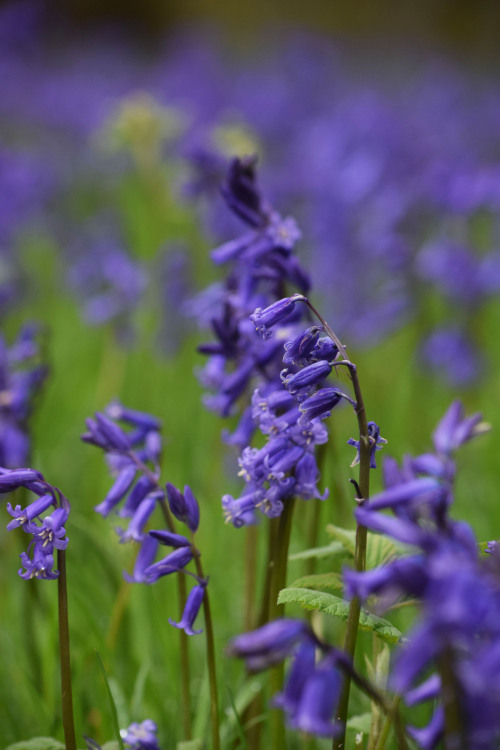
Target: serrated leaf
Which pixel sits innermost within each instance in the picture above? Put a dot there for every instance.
(319, 582)
(37, 743)
(347, 537)
(333, 605)
(360, 723)
(335, 549)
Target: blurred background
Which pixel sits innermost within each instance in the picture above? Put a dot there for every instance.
(377, 127)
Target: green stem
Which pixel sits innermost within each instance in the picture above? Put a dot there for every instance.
(212, 674)
(251, 540)
(278, 740)
(66, 689)
(454, 736)
(183, 639)
(392, 717)
(359, 554)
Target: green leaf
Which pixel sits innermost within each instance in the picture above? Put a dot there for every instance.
(319, 582)
(112, 705)
(347, 537)
(335, 549)
(360, 723)
(37, 743)
(196, 744)
(112, 745)
(333, 605)
(379, 551)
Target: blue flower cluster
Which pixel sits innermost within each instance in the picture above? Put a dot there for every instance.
(289, 413)
(48, 531)
(21, 378)
(312, 688)
(133, 454)
(458, 633)
(262, 264)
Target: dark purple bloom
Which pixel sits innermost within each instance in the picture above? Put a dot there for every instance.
(145, 558)
(301, 383)
(191, 609)
(118, 491)
(170, 539)
(318, 700)
(184, 506)
(172, 563)
(135, 529)
(268, 645)
(320, 405)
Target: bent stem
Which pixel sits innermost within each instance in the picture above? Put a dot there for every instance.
(212, 674)
(66, 689)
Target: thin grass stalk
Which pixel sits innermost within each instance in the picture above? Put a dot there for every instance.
(66, 688)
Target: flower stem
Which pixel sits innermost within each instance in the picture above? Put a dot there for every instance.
(212, 674)
(251, 540)
(278, 582)
(183, 640)
(66, 689)
(359, 554)
(454, 738)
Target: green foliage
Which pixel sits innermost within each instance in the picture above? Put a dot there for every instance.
(333, 550)
(319, 582)
(37, 743)
(333, 605)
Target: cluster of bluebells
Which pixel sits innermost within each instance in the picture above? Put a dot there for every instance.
(290, 413)
(133, 455)
(459, 590)
(261, 265)
(312, 689)
(21, 378)
(48, 530)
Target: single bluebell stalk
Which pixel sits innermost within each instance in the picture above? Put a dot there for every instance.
(141, 736)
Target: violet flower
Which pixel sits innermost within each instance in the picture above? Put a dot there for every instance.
(48, 531)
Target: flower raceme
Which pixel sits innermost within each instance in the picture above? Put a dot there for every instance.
(48, 531)
(459, 591)
(131, 441)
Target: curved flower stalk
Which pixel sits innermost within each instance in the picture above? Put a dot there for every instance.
(131, 441)
(458, 633)
(21, 379)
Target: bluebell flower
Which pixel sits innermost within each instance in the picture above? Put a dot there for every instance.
(184, 506)
(376, 442)
(48, 531)
(172, 563)
(445, 573)
(266, 319)
(191, 609)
